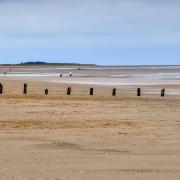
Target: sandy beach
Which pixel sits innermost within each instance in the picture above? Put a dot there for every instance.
(60, 137)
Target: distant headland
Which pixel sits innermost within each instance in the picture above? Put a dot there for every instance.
(44, 63)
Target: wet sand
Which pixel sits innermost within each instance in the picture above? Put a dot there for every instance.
(62, 137)
(96, 75)
(151, 78)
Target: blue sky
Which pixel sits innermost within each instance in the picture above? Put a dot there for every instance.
(117, 32)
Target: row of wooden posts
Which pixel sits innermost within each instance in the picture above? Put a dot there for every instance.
(46, 92)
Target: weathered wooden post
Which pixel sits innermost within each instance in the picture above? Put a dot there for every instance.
(114, 92)
(138, 91)
(68, 91)
(162, 92)
(46, 91)
(1, 88)
(91, 92)
(25, 88)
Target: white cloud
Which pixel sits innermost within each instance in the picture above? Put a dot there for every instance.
(89, 23)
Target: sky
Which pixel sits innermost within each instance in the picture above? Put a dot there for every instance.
(104, 32)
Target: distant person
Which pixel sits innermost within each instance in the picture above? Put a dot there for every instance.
(5, 73)
(61, 75)
(70, 74)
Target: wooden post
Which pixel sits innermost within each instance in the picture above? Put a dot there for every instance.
(25, 88)
(138, 91)
(91, 92)
(1, 88)
(46, 91)
(162, 92)
(114, 92)
(68, 91)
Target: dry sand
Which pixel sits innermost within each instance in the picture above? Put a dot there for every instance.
(78, 137)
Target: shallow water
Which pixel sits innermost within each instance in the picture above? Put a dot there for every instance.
(107, 76)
